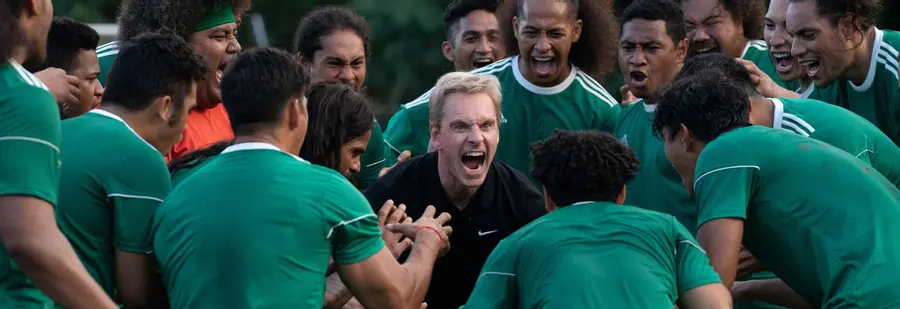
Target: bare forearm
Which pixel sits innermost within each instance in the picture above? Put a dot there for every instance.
(784, 93)
(418, 268)
(54, 268)
(773, 291)
(336, 293)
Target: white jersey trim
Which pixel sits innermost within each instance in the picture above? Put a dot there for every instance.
(758, 44)
(723, 169)
(650, 108)
(107, 46)
(342, 223)
(495, 273)
(30, 139)
(873, 62)
(116, 117)
(589, 84)
(538, 89)
(29, 78)
(140, 197)
(258, 146)
(689, 243)
(778, 113)
(489, 69)
(108, 53)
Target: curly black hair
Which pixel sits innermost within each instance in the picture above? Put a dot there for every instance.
(323, 21)
(458, 9)
(11, 33)
(595, 53)
(258, 85)
(708, 104)
(577, 166)
(725, 65)
(664, 10)
(67, 38)
(749, 13)
(152, 65)
(182, 16)
(337, 114)
(864, 12)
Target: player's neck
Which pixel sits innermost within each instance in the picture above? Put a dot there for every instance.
(762, 111)
(138, 121)
(459, 194)
(271, 139)
(862, 58)
(20, 54)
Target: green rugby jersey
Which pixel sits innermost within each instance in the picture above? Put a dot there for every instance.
(842, 129)
(878, 98)
(106, 54)
(29, 165)
(255, 227)
(108, 191)
(372, 161)
(757, 51)
(816, 216)
(593, 255)
(656, 186)
(529, 113)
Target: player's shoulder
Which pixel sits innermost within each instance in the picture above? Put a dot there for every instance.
(888, 58)
(595, 93)
(498, 69)
(16, 82)
(108, 50)
(757, 45)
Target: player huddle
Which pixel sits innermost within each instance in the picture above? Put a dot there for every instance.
(171, 169)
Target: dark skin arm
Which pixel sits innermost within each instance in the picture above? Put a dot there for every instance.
(721, 238)
(30, 235)
(773, 291)
(137, 283)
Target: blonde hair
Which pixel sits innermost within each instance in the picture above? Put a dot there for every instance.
(462, 82)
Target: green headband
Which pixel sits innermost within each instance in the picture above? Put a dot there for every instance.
(216, 15)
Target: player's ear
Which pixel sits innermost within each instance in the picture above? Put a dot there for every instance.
(435, 132)
(576, 31)
(295, 112)
(621, 198)
(515, 22)
(687, 139)
(681, 51)
(549, 205)
(163, 107)
(447, 49)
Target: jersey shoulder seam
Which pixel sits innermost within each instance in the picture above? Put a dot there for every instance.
(593, 87)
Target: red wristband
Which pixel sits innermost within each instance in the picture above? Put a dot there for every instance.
(416, 234)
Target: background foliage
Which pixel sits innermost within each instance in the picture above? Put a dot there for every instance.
(406, 36)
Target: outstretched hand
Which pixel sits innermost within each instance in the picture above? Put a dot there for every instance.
(390, 214)
(428, 229)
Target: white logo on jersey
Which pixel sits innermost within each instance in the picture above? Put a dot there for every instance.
(502, 118)
(625, 139)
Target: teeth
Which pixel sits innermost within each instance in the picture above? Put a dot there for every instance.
(781, 55)
(473, 154)
(543, 58)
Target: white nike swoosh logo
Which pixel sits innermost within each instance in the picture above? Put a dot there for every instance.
(480, 233)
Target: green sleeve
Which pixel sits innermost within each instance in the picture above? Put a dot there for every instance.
(692, 265)
(398, 136)
(136, 191)
(372, 161)
(496, 285)
(722, 186)
(29, 144)
(106, 55)
(352, 225)
(606, 117)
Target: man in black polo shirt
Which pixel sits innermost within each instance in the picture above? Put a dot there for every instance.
(488, 200)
